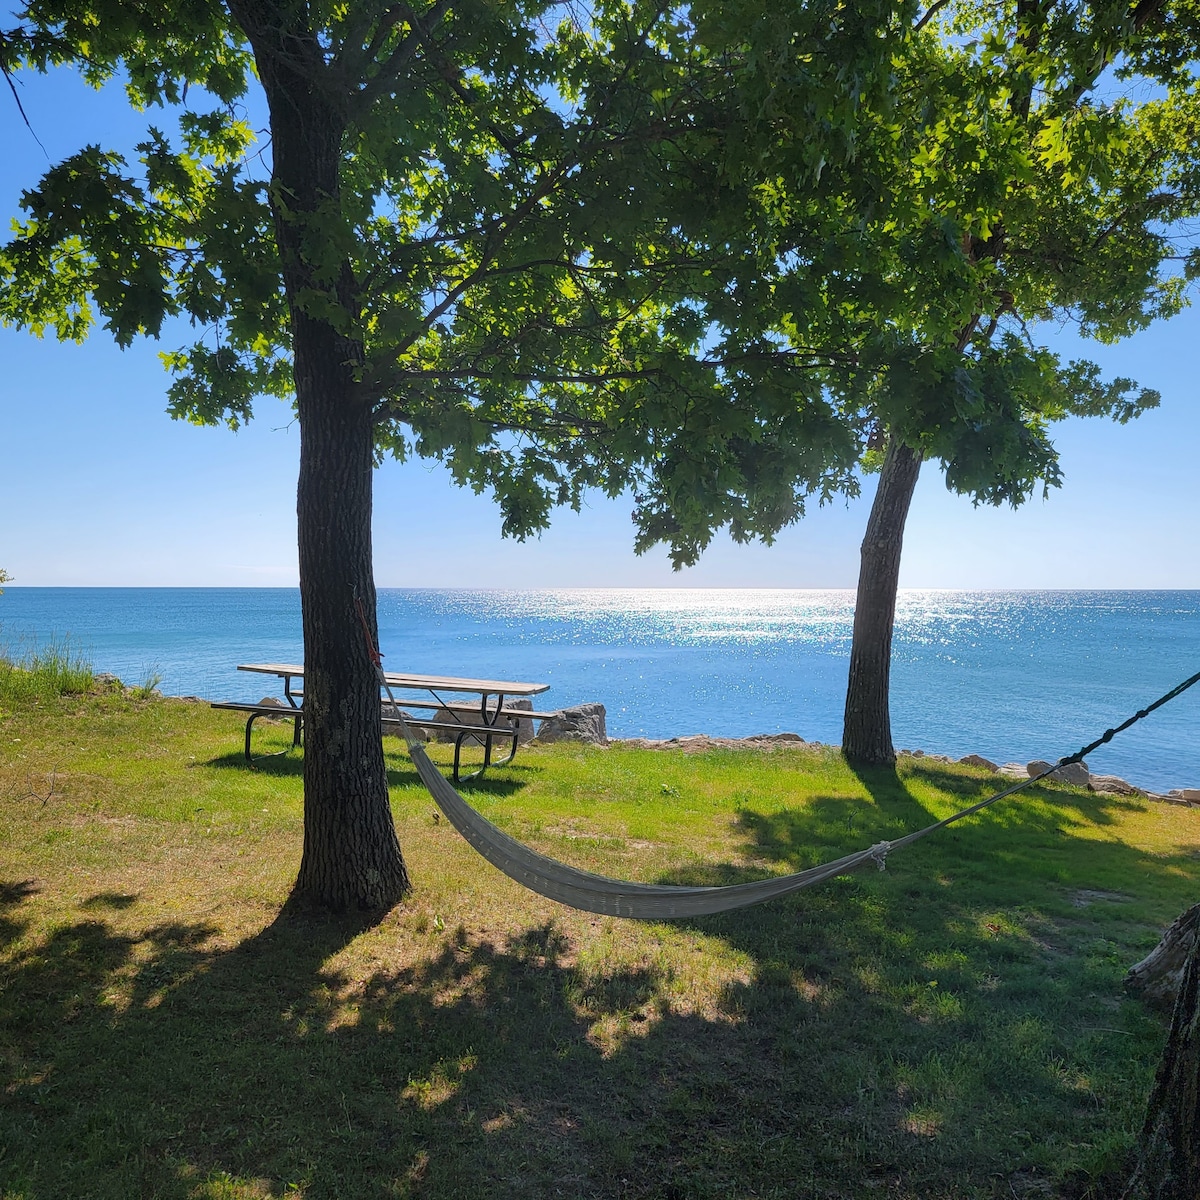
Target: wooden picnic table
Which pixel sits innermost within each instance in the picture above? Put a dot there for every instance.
(490, 719)
(441, 683)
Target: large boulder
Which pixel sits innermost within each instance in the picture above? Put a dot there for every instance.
(1075, 774)
(1113, 785)
(977, 760)
(581, 723)
(286, 710)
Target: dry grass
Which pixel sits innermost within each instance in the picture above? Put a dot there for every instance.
(953, 1027)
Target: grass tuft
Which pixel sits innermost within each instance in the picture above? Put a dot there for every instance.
(149, 685)
(43, 672)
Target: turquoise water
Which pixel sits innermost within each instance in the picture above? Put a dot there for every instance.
(1011, 675)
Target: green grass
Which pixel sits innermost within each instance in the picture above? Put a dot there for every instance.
(951, 1027)
(42, 672)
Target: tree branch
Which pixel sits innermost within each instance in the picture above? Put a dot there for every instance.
(421, 29)
(931, 12)
(12, 87)
(802, 358)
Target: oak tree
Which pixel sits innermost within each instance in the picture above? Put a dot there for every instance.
(508, 236)
(1033, 200)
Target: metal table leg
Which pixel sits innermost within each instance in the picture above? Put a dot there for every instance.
(297, 725)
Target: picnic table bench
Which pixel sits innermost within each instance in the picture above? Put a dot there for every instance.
(488, 721)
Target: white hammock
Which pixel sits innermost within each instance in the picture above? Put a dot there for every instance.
(621, 898)
(655, 901)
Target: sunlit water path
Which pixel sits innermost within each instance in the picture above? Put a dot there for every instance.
(1012, 675)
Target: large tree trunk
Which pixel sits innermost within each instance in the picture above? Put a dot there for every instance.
(1168, 1165)
(867, 728)
(351, 855)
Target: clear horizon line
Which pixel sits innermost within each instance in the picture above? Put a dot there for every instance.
(574, 587)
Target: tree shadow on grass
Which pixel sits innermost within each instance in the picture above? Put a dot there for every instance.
(154, 1066)
(1098, 808)
(887, 1034)
(400, 771)
(496, 781)
(983, 975)
(268, 764)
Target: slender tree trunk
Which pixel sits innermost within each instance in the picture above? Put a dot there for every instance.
(867, 728)
(1168, 1166)
(351, 855)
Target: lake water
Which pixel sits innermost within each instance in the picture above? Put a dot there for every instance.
(1011, 675)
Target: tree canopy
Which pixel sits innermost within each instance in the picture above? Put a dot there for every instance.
(548, 241)
(721, 254)
(527, 239)
(713, 252)
(1008, 181)
(1007, 185)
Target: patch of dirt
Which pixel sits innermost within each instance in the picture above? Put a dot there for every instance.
(1085, 896)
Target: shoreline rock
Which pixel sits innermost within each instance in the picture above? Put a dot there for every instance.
(696, 743)
(1113, 785)
(587, 723)
(579, 723)
(1073, 774)
(977, 760)
(1076, 773)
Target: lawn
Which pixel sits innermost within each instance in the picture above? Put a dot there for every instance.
(951, 1027)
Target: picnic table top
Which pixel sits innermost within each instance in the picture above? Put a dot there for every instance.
(442, 683)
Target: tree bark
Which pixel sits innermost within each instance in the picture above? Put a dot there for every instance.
(867, 727)
(1157, 978)
(1168, 1166)
(351, 855)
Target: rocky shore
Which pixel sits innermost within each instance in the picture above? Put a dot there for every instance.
(586, 723)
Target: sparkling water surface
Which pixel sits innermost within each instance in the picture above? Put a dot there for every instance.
(1011, 675)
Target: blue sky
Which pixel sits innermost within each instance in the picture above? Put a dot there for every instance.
(98, 486)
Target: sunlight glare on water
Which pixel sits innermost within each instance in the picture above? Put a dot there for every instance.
(1011, 675)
